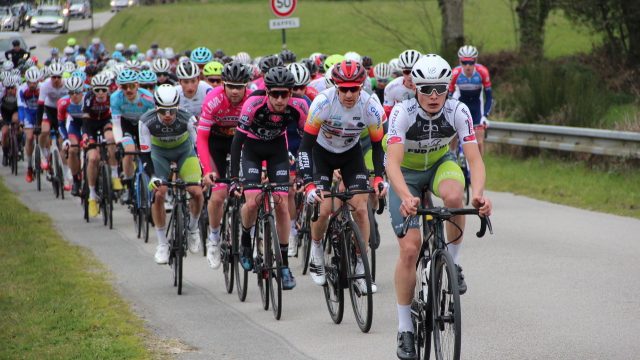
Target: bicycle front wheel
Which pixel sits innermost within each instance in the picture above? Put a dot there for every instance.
(421, 312)
(359, 280)
(273, 263)
(58, 173)
(15, 150)
(447, 327)
(242, 275)
(226, 255)
(177, 244)
(37, 157)
(334, 268)
(261, 261)
(304, 238)
(374, 240)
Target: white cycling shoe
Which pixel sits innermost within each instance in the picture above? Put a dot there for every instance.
(213, 254)
(316, 268)
(293, 246)
(162, 254)
(361, 283)
(194, 241)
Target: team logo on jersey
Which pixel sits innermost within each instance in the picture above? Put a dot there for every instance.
(144, 147)
(471, 137)
(394, 140)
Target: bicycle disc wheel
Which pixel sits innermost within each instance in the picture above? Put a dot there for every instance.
(242, 275)
(421, 313)
(274, 265)
(447, 330)
(361, 299)
(333, 289)
(225, 247)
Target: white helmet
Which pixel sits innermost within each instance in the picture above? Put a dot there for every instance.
(7, 65)
(101, 80)
(133, 64)
(408, 58)
(166, 96)
(141, 57)
(95, 41)
(11, 80)
(109, 73)
(183, 58)
(328, 81)
(33, 74)
(133, 48)
(119, 47)
(160, 65)
(313, 56)
(187, 70)
(300, 74)
(69, 66)
(431, 69)
(74, 83)
(169, 53)
(352, 55)
(56, 69)
(68, 50)
(81, 58)
(111, 63)
(382, 71)
(394, 64)
(243, 57)
(468, 51)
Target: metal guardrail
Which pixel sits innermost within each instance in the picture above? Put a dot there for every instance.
(574, 139)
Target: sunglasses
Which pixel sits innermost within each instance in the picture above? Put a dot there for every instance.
(352, 89)
(167, 111)
(148, 86)
(300, 87)
(468, 62)
(235, 86)
(406, 72)
(76, 92)
(440, 89)
(128, 86)
(56, 77)
(100, 90)
(279, 94)
(214, 80)
(162, 74)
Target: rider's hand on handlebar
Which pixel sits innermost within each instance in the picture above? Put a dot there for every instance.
(409, 206)
(483, 204)
(235, 188)
(209, 179)
(312, 194)
(377, 182)
(154, 183)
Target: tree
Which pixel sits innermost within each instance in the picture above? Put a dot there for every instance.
(452, 26)
(532, 16)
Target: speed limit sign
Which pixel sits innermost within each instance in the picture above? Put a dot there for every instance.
(283, 8)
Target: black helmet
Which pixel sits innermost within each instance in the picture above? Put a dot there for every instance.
(218, 53)
(236, 72)
(268, 62)
(287, 56)
(367, 62)
(311, 65)
(279, 77)
(91, 70)
(226, 59)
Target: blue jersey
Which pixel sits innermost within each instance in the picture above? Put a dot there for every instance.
(28, 104)
(470, 89)
(124, 110)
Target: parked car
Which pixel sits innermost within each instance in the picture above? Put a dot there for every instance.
(50, 18)
(9, 19)
(6, 38)
(117, 5)
(80, 8)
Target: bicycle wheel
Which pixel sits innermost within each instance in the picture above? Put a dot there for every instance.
(58, 173)
(374, 240)
(447, 330)
(37, 156)
(104, 194)
(334, 270)
(226, 254)
(304, 238)
(421, 312)
(178, 244)
(145, 207)
(107, 195)
(361, 301)
(203, 227)
(84, 197)
(14, 150)
(242, 275)
(273, 263)
(259, 262)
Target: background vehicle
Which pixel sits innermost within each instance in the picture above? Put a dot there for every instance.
(49, 18)
(117, 5)
(27, 12)
(80, 8)
(9, 19)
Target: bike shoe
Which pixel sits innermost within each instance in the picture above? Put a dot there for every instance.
(406, 346)
(245, 258)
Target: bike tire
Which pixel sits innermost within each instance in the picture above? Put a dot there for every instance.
(178, 244)
(259, 265)
(145, 206)
(467, 197)
(334, 267)
(37, 157)
(242, 275)
(14, 151)
(305, 239)
(203, 227)
(421, 313)
(59, 172)
(226, 254)
(362, 303)
(446, 313)
(84, 197)
(274, 265)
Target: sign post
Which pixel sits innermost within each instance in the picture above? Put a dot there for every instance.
(283, 9)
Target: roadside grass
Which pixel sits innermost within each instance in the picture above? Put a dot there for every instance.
(330, 27)
(56, 301)
(565, 182)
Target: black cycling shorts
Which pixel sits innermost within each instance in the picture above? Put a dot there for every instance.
(219, 148)
(90, 128)
(52, 117)
(274, 152)
(130, 129)
(350, 163)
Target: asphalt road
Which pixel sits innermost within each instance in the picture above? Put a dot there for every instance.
(554, 282)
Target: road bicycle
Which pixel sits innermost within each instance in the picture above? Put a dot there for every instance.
(140, 204)
(104, 189)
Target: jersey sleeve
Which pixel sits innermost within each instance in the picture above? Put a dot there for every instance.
(144, 135)
(375, 117)
(300, 105)
(398, 125)
(247, 113)
(318, 112)
(463, 124)
(484, 75)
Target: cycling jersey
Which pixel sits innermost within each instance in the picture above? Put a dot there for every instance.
(257, 84)
(97, 111)
(8, 106)
(396, 92)
(194, 104)
(426, 138)
(50, 95)
(470, 89)
(28, 105)
(69, 117)
(129, 111)
(218, 120)
(320, 84)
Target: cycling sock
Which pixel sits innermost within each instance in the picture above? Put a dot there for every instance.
(316, 247)
(92, 193)
(404, 318)
(454, 250)
(214, 236)
(114, 171)
(161, 235)
(245, 241)
(284, 252)
(193, 222)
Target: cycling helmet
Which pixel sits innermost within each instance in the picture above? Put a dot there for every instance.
(55, 51)
(408, 58)
(431, 69)
(69, 66)
(74, 83)
(300, 74)
(166, 96)
(287, 56)
(183, 58)
(394, 64)
(328, 81)
(110, 74)
(141, 57)
(367, 62)
(352, 55)
(311, 66)
(219, 54)
(161, 65)
(226, 59)
(382, 71)
(268, 62)
(11, 81)
(201, 55)
(147, 77)
(133, 48)
(279, 77)
(33, 74)
(236, 73)
(68, 50)
(127, 76)
(91, 70)
(79, 73)
(187, 70)
(7, 65)
(95, 41)
(28, 63)
(213, 68)
(71, 41)
(55, 69)
(81, 59)
(133, 64)
(101, 80)
(119, 47)
(348, 73)
(145, 65)
(169, 53)
(332, 60)
(243, 57)
(468, 52)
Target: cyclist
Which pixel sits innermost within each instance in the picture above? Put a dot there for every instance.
(287, 57)
(401, 88)
(213, 73)
(28, 95)
(127, 105)
(381, 77)
(220, 113)
(265, 64)
(471, 80)
(9, 111)
(70, 126)
(262, 128)
(162, 68)
(191, 89)
(417, 157)
(167, 134)
(51, 90)
(148, 80)
(96, 111)
(337, 117)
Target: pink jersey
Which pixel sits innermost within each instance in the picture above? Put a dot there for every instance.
(257, 84)
(259, 121)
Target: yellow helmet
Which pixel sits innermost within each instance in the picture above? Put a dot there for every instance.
(213, 68)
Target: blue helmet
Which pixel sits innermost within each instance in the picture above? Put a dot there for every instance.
(147, 77)
(80, 73)
(127, 76)
(201, 55)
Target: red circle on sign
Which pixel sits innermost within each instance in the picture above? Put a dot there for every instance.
(283, 8)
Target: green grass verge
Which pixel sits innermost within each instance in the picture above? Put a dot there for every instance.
(330, 27)
(56, 301)
(562, 182)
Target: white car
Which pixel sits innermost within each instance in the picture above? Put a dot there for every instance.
(8, 19)
(117, 5)
(50, 18)
(80, 8)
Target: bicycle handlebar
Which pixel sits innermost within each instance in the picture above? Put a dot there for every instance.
(445, 214)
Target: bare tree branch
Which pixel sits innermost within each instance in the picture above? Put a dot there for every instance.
(390, 30)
